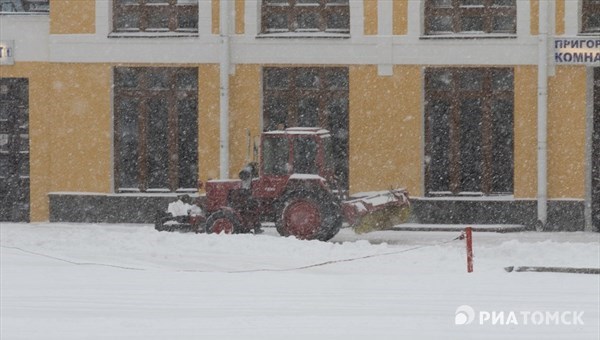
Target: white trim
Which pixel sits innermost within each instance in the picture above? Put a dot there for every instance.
(523, 17)
(252, 17)
(589, 129)
(204, 17)
(357, 18)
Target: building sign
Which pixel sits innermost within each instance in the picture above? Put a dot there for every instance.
(6, 52)
(578, 51)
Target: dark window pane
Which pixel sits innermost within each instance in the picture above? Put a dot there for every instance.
(441, 23)
(5, 167)
(277, 21)
(277, 111)
(503, 3)
(155, 15)
(158, 79)
(440, 80)
(502, 80)
(275, 154)
(24, 164)
(441, 3)
(305, 16)
(305, 156)
(338, 21)
(471, 145)
(158, 140)
(308, 78)
(187, 19)
(128, 20)
(308, 112)
(308, 21)
(502, 146)
(127, 111)
(439, 161)
(471, 80)
(471, 3)
(4, 138)
(188, 143)
(126, 77)
(337, 80)
(472, 24)
(277, 78)
(503, 24)
(187, 79)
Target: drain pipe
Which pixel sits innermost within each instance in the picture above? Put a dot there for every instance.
(224, 66)
(542, 118)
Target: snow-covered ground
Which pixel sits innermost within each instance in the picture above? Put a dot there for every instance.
(84, 281)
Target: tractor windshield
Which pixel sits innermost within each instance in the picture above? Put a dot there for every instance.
(305, 155)
(275, 152)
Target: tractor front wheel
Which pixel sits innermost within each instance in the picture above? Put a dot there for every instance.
(308, 215)
(223, 221)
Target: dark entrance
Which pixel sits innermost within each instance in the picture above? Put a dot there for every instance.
(14, 149)
(596, 153)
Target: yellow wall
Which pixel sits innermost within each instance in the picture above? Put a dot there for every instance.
(215, 16)
(79, 119)
(240, 10)
(559, 16)
(39, 76)
(208, 121)
(244, 114)
(535, 15)
(400, 23)
(370, 15)
(385, 129)
(69, 128)
(72, 16)
(566, 132)
(525, 132)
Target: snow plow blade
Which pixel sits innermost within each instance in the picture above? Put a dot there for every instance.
(168, 222)
(377, 211)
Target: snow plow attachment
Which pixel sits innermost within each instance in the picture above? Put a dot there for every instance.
(181, 216)
(377, 211)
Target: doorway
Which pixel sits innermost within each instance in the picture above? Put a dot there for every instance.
(14, 149)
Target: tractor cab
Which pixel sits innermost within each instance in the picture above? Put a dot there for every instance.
(293, 154)
(297, 151)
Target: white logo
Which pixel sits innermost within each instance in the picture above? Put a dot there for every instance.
(464, 315)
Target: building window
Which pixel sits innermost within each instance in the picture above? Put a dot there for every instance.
(469, 131)
(155, 16)
(25, 6)
(591, 16)
(281, 16)
(470, 17)
(156, 128)
(310, 97)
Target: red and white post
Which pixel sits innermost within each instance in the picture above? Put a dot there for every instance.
(469, 237)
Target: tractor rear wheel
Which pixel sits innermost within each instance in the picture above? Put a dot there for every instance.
(308, 215)
(223, 221)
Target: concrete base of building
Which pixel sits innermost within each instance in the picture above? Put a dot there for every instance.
(563, 215)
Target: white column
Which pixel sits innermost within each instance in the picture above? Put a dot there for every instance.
(224, 64)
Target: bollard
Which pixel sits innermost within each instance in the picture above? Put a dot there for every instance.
(469, 237)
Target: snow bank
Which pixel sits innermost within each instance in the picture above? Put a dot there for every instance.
(132, 282)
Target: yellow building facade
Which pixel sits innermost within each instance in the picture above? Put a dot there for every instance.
(386, 51)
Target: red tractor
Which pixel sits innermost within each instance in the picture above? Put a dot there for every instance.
(295, 187)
